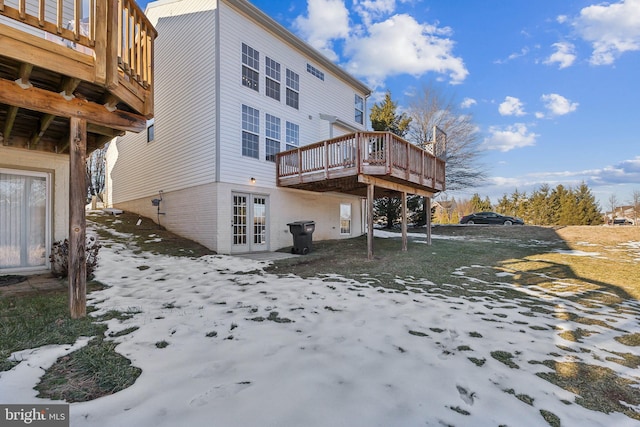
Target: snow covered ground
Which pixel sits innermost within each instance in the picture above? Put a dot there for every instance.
(248, 348)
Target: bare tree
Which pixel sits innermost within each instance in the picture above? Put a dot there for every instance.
(96, 172)
(431, 108)
(613, 203)
(635, 202)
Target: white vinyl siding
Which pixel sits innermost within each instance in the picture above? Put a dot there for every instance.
(183, 152)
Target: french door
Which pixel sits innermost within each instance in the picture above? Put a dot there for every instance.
(249, 223)
(24, 219)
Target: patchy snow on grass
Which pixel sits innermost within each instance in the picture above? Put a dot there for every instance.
(576, 252)
(249, 348)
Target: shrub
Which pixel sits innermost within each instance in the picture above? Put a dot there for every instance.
(60, 256)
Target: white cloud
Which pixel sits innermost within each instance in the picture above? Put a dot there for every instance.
(372, 9)
(511, 107)
(564, 55)
(327, 20)
(509, 137)
(558, 105)
(407, 47)
(561, 19)
(612, 29)
(468, 102)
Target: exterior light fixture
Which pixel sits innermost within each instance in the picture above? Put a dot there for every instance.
(253, 180)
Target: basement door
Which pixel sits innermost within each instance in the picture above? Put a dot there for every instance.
(24, 220)
(249, 223)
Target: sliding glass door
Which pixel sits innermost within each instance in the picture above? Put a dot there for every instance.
(24, 219)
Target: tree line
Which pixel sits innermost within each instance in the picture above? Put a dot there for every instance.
(561, 205)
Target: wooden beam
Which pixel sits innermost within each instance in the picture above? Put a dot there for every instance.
(404, 221)
(393, 186)
(370, 195)
(24, 47)
(67, 88)
(53, 103)
(77, 220)
(25, 73)
(8, 124)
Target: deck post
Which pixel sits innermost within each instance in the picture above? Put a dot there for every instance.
(404, 221)
(370, 195)
(77, 267)
(427, 215)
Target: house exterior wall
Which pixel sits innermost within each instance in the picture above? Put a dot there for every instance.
(182, 153)
(204, 213)
(57, 167)
(196, 156)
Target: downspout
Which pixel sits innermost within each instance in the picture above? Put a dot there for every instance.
(217, 86)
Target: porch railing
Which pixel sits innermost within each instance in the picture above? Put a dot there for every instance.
(371, 153)
(115, 32)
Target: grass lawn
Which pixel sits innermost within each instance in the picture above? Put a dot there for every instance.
(584, 276)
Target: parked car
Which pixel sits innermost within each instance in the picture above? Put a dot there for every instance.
(622, 221)
(490, 218)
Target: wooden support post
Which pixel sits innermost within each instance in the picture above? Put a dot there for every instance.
(77, 222)
(427, 214)
(404, 221)
(370, 195)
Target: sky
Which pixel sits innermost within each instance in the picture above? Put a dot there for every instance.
(250, 348)
(552, 85)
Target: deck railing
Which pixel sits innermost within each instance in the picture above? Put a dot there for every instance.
(371, 153)
(115, 32)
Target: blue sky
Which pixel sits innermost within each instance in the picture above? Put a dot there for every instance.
(553, 86)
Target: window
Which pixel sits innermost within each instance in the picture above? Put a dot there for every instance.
(293, 89)
(250, 130)
(359, 116)
(250, 67)
(272, 80)
(345, 218)
(293, 136)
(25, 219)
(315, 72)
(151, 130)
(272, 131)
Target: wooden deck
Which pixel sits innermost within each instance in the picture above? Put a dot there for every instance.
(350, 163)
(59, 61)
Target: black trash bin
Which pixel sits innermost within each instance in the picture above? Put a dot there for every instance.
(302, 236)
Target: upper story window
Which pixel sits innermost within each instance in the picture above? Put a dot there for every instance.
(292, 136)
(250, 67)
(293, 89)
(315, 72)
(272, 133)
(359, 109)
(272, 79)
(250, 131)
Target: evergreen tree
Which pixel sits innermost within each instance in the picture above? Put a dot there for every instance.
(504, 205)
(539, 211)
(480, 205)
(588, 208)
(384, 118)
